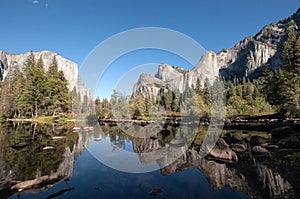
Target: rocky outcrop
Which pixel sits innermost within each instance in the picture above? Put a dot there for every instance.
(12, 64)
(222, 151)
(245, 59)
(148, 86)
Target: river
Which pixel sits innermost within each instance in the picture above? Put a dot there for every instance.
(89, 162)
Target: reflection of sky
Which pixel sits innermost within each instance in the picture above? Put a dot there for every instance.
(118, 158)
(125, 71)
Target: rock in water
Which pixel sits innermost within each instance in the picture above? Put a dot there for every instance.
(155, 191)
(58, 137)
(281, 132)
(222, 151)
(238, 147)
(48, 148)
(257, 140)
(237, 138)
(259, 149)
(20, 145)
(290, 142)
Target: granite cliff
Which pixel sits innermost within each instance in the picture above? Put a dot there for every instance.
(12, 64)
(245, 59)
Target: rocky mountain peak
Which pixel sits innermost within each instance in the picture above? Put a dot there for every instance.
(245, 59)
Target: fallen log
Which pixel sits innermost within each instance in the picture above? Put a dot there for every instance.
(28, 184)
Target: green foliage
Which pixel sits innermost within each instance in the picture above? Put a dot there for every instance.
(282, 87)
(137, 107)
(289, 50)
(246, 99)
(33, 93)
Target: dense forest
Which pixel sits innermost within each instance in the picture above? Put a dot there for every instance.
(276, 91)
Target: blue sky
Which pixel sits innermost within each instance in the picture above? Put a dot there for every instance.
(73, 28)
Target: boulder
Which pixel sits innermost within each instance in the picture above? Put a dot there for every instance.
(238, 147)
(272, 146)
(222, 151)
(237, 138)
(259, 149)
(290, 142)
(257, 140)
(281, 132)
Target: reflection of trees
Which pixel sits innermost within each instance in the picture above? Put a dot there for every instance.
(31, 161)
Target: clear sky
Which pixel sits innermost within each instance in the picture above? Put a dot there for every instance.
(73, 28)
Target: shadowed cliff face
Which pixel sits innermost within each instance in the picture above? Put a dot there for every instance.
(245, 59)
(25, 163)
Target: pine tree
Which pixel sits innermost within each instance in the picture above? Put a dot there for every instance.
(53, 68)
(30, 62)
(40, 63)
(206, 93)
(32, 93)
(76, 105)
(297, 56)
(288, 52)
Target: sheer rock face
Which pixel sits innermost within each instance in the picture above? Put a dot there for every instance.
(12, 64)
(245, 59)
(148, 86)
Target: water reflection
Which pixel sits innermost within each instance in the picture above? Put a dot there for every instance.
(24, 156)
(258, 175)
(35, 156)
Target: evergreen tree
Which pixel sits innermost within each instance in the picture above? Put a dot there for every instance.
(29, 63)
(76, 104)
(40, 63)
(32, 93)
(53, 68)
(288, 52)
(297, 56)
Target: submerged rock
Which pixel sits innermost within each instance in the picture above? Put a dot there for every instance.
(259, 149)
(238, 147)
(155, 192)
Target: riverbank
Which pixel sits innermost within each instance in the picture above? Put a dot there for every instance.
(61, 119)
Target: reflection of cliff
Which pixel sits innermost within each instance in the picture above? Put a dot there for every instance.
(250, 176)
(20, 170)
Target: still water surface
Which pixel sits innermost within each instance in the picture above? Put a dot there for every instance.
(82, 175)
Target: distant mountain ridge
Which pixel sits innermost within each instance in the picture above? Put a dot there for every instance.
(245, 59)
(12, 64)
